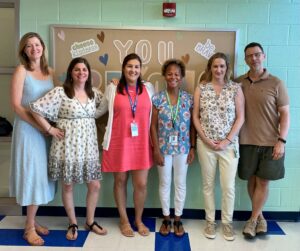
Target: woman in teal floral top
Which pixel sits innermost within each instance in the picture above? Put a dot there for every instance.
(173, 139)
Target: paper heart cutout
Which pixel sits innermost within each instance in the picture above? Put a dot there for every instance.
(61, 35)
(104, 59)
(101, 36)
(186, 58)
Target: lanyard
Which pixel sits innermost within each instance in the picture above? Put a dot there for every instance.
(173, 113)
(132, 104)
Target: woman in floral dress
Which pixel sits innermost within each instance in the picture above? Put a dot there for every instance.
(74, 154)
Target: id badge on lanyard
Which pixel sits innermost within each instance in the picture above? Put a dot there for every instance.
(173, 138)
(133, 125)
(134, 129)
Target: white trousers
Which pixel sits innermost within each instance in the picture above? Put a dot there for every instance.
(179, 163)
(227, 161)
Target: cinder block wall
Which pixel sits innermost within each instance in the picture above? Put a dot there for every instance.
(274, 23)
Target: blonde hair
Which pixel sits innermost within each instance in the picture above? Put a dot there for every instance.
(208, 73)
(24, 58)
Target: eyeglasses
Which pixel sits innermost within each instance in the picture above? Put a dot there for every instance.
(256, 55)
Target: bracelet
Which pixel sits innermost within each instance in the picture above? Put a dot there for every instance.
(229, 140)
(282, 140)
(49, 128)
(192, 147)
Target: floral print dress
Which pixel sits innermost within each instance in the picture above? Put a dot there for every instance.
(75, 158)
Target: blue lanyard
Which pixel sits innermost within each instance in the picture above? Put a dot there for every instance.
(133, 105)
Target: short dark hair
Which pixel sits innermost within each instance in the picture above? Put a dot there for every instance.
(176, 62)
(68, 84)
(254, 44)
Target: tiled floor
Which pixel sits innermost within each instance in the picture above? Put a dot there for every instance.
(281, 236)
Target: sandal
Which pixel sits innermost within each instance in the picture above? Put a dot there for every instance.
(41, 229)
(178, 228)
(72, 233)
(142, 229)
(33, 239)
(95, 224)
(126, 229)
(165, 228)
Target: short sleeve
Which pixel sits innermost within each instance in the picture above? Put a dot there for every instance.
(282, 98)
(156, 100)
(48, 106)
(187, 99)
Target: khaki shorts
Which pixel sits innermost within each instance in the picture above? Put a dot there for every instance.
(258, 161)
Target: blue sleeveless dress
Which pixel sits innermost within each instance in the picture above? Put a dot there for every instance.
(29, 181)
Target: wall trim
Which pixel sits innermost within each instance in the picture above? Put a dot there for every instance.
(156, 212)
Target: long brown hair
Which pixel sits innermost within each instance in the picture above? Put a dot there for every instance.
(24, 58)
(208, 73)
(123, 83)
(68, 84)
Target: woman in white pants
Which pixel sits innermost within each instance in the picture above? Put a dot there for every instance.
(173, 138)
(218, 116)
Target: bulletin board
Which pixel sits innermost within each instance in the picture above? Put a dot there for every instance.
(105, 49)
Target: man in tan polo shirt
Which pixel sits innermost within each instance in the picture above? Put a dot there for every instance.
(263, 135)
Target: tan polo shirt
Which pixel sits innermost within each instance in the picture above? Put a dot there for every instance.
(262, 99)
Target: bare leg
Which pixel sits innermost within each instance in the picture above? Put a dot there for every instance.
(120, 193)
(258, 190)
(30, 233)
(91, 204)
(91, 200)
(30, 218)
(139, 180)
(67, 197)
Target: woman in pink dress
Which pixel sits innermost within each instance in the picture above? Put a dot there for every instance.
(126, 144)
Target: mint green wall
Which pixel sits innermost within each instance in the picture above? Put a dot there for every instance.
(274, 23)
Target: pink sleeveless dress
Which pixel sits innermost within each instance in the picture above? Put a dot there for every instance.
(125, 152)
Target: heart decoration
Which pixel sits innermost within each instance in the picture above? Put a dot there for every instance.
(101, 36)
(186, 58)
(61, 35)
(104, 59)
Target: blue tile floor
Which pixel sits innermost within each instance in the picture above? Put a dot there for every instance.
(281, 236)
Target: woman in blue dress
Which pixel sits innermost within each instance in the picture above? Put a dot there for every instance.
(29, 181)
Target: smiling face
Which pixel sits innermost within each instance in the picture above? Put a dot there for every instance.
(254, 58)
(33, 49)
(131, 71)
(80, 73)
(218, 69)
(173, 76)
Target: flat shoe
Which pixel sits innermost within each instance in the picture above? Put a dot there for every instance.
(178, 228)
(142, 229)
(33, 239)
(165, 228)
(72, 233)
(95, 225)
(126, 230)
(41, 229)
